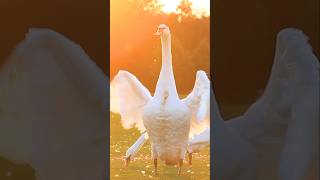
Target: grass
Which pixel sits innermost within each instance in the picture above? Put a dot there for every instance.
(142, 167)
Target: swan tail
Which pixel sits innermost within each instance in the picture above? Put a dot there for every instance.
(170, 159)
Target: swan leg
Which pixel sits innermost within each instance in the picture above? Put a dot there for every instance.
(133, 150)
(180, 166)
(127, 161)
(155, 162)
(190, 158)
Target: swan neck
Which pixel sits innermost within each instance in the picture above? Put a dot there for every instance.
(166, 81)
(166, 55)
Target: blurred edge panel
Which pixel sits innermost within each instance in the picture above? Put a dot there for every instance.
(84, 22)
(244, 36)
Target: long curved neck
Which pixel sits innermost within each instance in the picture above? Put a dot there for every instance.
(166, 84)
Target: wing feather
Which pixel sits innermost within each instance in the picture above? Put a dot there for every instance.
(198, 102)
(128, 97)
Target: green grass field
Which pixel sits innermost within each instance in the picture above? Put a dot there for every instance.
(142, 165)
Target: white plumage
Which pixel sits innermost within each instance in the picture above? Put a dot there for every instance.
(199, 141)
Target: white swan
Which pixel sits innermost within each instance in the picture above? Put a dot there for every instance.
(53, 105)
(167, 120)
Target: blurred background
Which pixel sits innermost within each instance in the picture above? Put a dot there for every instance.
(83, 21)
(243, 44)
(134, 48)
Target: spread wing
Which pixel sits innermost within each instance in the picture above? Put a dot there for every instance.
(128, 97)
(199, 141)
(198, 102)
(53, 106)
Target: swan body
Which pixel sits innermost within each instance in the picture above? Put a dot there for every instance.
(165, 117)
(168, 126)
(168, 120)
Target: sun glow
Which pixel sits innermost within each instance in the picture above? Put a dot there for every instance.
(169, 6)
(182, 8)
(200, 7)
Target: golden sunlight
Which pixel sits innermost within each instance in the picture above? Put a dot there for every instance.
(182, 8)
(169, 6)
(200, 8)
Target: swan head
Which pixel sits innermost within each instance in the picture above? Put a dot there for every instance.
(163, 31)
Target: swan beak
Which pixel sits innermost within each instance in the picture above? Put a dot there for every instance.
(157, 33)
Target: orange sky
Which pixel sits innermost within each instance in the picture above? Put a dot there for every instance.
(134, 48)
